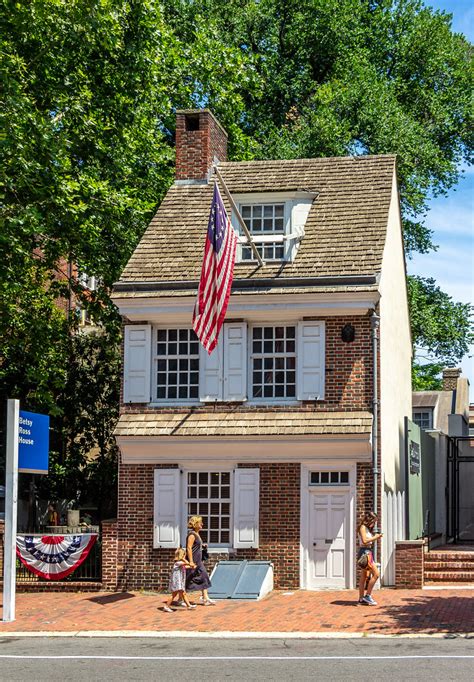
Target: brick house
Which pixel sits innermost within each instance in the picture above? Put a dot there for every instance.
(273, 438)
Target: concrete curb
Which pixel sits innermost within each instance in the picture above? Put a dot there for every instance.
(168, 634)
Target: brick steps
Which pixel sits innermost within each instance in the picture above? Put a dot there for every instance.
(450, 556)
(449, 576)
(448, 567)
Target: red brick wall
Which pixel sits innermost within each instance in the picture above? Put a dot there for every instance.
(109, 554)
(348, 376)
(196, 149)
(141, 566)
(409, 560)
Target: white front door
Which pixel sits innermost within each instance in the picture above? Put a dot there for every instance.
(328, 539)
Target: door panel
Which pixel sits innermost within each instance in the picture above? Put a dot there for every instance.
(328, 539)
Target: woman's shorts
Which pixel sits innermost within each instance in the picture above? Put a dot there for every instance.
(370, 556)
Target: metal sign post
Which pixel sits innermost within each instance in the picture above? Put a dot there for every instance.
(11, 497)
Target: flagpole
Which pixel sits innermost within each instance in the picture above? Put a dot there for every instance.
(239, 217)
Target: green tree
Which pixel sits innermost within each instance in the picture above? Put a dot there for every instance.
(345, 77)
(442, 331)
(88, 93)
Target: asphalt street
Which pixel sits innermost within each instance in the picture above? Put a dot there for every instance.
(99, 658)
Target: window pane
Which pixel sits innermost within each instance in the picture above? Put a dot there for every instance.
(334, 476)
(203, 477)
(324, 477)
(280, 210)
(225, 478)
(192, 478)
(344, 477)
(174, 357)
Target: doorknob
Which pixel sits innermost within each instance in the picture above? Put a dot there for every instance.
(314, 544)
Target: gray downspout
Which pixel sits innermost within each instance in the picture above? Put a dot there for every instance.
(375, 323)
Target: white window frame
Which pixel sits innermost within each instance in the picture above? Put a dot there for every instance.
(262, 238)
(154, 361)
(294, 231)
(424, 411)
(276, 399)
(329, 484)
(209, 468)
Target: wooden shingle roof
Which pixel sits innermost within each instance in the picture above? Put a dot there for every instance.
(344, 233)
(243, 423)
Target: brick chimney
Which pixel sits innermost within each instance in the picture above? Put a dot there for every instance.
(450, 378)
(200, 139)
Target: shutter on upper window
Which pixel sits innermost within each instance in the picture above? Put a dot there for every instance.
(235, 361)
(299, 214)
(166, 508)
(137, 364)
(246, 507)
(310, 361)
(210, 373)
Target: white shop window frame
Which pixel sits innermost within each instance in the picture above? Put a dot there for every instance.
(154, 367)
(209, 468)
(277, 400)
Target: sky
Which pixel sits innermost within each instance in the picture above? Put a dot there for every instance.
(452, 217)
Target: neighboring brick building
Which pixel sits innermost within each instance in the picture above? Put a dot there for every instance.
(270, 438)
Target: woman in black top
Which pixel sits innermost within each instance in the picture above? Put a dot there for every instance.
(197, 577)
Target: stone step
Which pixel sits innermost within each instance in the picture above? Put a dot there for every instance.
(449, 576)
(450, 556)
(431, 565)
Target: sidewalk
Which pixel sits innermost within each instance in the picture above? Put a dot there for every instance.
(398, 612)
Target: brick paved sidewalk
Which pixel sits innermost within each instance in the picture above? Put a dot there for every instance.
(398, 612)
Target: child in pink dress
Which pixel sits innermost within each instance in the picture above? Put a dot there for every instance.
(177, 585)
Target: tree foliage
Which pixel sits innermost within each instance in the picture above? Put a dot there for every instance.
(442, 329)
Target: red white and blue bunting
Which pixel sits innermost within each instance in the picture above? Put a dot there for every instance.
(54, 556)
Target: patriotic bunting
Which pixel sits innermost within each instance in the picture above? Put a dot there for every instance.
(54, 556)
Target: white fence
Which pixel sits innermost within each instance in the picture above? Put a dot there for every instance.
(393, 529)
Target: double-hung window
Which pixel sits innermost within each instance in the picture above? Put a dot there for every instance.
(176, 361)
(267, 224)
(273, 362)
(208, 495)
(260, 361)
(276, 223)
(227, 500)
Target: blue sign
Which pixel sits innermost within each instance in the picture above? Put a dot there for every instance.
(33, 443)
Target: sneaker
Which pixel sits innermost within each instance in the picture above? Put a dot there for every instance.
(167, 609)
(209, 602)
(191, 606)
(361, 601)
(370, 600)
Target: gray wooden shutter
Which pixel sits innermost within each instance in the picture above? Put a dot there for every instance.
(166, 508)
(235, 361)
(137, 364)
(310, 361)
(210, 373)
(246, 507)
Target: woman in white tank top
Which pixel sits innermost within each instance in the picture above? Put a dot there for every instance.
(369, 573)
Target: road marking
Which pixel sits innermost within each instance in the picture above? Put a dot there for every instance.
(229, 658)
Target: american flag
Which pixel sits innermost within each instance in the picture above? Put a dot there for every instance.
(216, 275)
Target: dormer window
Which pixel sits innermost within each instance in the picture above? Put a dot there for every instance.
(276, 222)
(265, 222)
